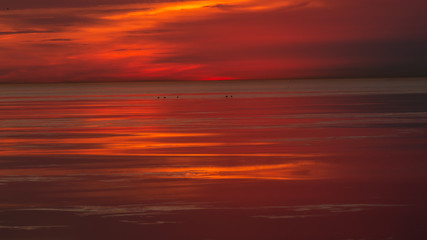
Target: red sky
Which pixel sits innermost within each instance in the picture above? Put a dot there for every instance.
(130, 40)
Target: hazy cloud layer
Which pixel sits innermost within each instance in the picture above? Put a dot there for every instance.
(30, 4)
(243, 39)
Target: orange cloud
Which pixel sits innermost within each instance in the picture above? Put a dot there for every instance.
(217, 39)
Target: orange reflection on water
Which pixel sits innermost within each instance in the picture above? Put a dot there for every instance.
(194, 136)
(287, 171)
(301, 170)
(331, 156)
(191, 146)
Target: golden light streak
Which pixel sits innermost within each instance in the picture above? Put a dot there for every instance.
(98, 152)
(120, 35)
(272, 171)
(162, 8)
(160, 144)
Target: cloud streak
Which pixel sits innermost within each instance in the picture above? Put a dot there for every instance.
(242, 39)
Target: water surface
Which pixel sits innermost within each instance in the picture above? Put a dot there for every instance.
(303, 159)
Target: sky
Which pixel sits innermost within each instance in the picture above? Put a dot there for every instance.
(136, 40)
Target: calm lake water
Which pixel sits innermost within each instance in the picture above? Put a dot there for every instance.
(303, 159)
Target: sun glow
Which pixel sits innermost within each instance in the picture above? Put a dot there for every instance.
(129, 37)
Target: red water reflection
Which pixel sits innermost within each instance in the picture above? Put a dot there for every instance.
(205, 155)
